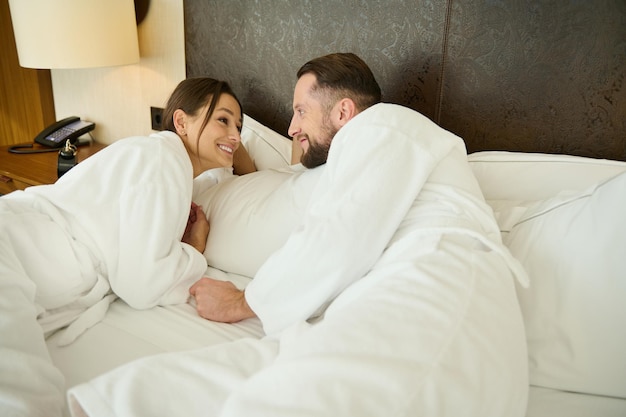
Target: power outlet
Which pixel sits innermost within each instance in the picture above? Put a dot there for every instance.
(156, 118)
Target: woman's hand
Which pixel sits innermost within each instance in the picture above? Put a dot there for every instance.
(197, 230)
(220, 301)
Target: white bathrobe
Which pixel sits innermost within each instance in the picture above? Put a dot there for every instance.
(423, 317)
(110, 227)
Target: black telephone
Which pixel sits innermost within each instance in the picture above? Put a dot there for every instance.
(55, 135)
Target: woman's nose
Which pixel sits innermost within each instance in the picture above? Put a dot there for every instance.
(235, 135)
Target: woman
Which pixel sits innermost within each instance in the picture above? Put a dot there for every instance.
(116, 225)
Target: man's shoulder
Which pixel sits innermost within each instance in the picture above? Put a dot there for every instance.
(393, 115)
(395, 121)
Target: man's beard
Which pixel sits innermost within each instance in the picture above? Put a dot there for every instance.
(317, 153)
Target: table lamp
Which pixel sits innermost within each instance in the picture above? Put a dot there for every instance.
(74, 33)
(56, 34)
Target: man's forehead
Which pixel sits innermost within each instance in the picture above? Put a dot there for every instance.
(304, 86)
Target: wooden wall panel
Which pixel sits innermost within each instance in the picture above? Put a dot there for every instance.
(26, 102)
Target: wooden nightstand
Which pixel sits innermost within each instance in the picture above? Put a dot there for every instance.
(18, 171)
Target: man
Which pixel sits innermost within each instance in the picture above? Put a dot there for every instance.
(399, 257)
(330, 91)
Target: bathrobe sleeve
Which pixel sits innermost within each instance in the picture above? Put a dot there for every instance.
(153, 266)
(377, 165)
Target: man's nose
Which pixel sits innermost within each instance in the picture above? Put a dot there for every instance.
(294, 129)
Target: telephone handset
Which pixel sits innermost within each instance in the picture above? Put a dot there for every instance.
(55, 135)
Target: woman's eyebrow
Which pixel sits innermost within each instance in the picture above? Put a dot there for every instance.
(229, 111)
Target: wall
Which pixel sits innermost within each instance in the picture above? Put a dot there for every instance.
(26, 103)
(268, 40)
(118, 99)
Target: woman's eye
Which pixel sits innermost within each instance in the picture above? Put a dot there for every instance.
(226, 121)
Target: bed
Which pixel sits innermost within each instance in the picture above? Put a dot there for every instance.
(573, 312)
(536, 92)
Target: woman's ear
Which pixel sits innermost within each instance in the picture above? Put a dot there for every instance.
(180, 119)
(346, 110)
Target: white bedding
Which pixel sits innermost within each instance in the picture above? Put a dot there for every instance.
(127, 334)
(546, 402)
(563, 216)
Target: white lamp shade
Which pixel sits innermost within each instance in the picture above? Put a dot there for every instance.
(75, 33)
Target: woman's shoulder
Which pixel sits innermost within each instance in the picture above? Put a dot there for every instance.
(162, 151)
(153, 140)
(150, 146)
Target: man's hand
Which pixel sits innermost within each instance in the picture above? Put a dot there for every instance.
(220, 301)
(197, 230)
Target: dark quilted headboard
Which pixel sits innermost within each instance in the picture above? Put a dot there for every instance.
(518, 75)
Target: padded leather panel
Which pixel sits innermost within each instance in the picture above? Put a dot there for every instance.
(515, 75)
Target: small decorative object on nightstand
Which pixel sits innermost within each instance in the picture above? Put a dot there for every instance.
(67, 158)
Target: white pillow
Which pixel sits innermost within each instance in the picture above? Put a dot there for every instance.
(267, 148)
(251, 216)
(511, 182)
(574, 250)
(537, 176)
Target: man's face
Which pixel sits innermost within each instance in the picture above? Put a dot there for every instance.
(311, 125)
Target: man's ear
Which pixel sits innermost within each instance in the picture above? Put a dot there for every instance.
(180, 119)
(346, 110)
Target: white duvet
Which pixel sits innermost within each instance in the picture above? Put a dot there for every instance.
(423, 320)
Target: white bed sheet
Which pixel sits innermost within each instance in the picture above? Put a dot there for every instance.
(126, 334)
(544, 402)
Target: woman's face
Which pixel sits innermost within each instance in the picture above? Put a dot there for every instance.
(220, 138)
